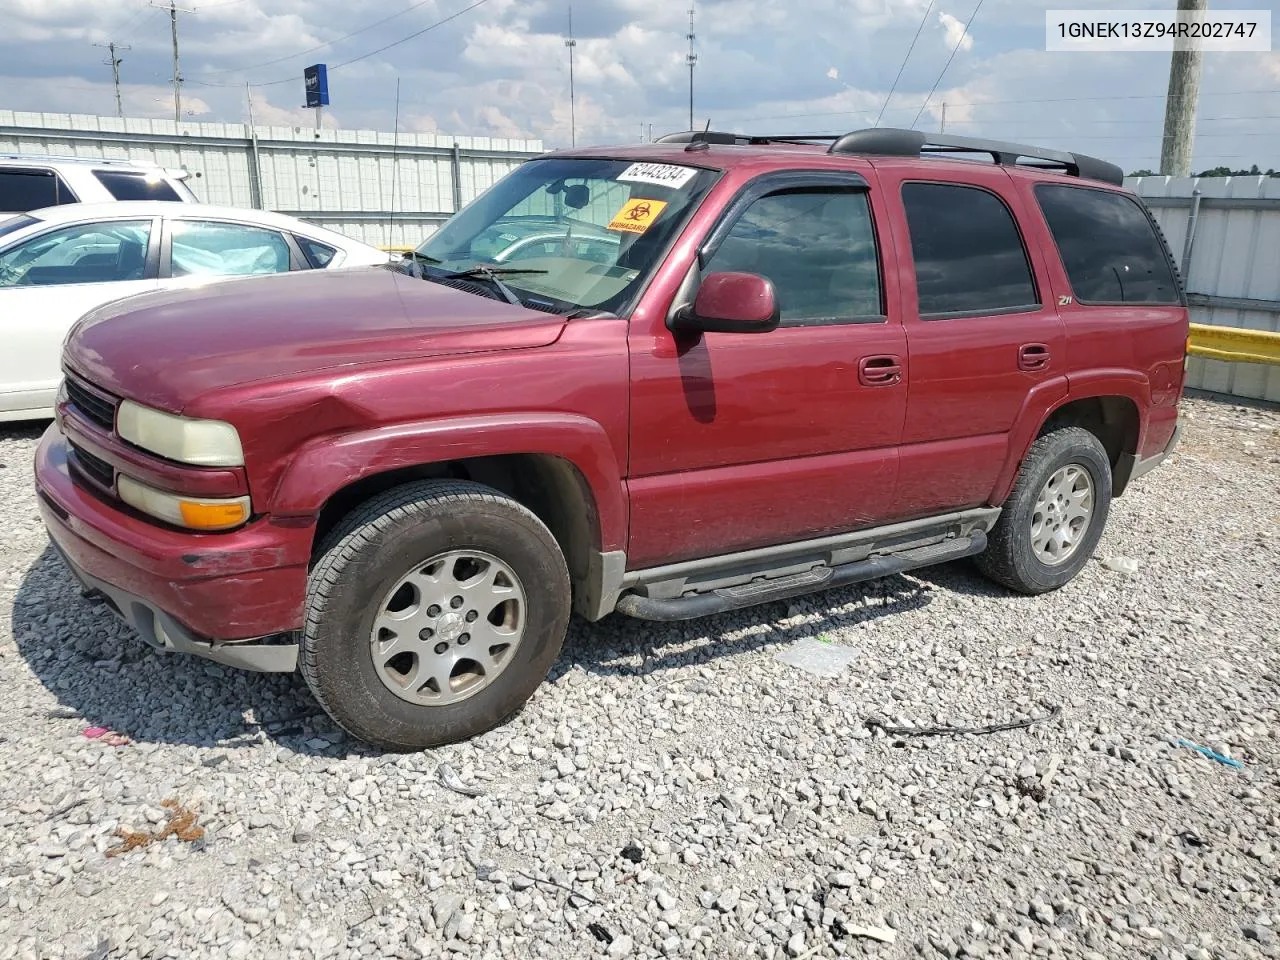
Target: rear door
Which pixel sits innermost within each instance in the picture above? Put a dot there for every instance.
(983, 332)
(50, 281)
(197, 251)
(748, 440)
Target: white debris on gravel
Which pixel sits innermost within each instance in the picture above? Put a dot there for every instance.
(674, 791)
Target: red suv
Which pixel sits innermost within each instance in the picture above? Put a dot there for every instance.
(665, 380)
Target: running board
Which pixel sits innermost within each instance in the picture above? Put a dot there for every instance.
(799, 584)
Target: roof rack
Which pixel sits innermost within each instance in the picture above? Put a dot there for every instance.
(892, 142)
(96, 161)
(888, 141)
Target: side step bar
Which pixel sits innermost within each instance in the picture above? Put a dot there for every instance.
(798, 584)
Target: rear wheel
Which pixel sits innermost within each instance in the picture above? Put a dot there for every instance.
(1055, 515)
(434, 612)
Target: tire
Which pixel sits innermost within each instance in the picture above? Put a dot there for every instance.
(1012, 557)
(375, 569)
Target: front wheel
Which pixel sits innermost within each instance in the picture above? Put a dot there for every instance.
(434, 612)
(1054, 517)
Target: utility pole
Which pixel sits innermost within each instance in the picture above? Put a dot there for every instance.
(1181, 101)
(174, 10)
(943, 126)
(114, 63)
(691, 59)
(573, 114)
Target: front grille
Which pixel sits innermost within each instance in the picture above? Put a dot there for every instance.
(97, 407)
(95, 468)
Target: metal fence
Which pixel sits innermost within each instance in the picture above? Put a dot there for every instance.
(382, 188)
(1225, 233)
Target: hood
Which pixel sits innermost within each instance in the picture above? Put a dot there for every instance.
(164, 349)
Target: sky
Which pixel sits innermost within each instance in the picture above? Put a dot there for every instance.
(501, 68)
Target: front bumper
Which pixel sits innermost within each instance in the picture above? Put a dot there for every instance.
(213, 595)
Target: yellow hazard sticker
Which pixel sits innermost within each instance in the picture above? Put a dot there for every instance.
(637, 216)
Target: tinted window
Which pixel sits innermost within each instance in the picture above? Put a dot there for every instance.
(208, 249)
(1108, 246)
(816, 245)
(22, 190)
(14, 224)
(85, 253)
(136, 186)
(319, 255)
(968, 255)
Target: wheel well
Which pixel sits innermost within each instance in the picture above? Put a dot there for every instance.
(1114, 421)
(550, 486)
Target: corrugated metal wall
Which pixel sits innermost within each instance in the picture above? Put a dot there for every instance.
(352, 181)
(1235, 256)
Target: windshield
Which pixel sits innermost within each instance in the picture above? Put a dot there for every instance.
(568, 234)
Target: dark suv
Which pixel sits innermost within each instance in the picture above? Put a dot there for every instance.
(802, 363)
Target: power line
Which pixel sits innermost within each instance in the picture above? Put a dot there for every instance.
(318, 46)
(954, 50)
(889, 96)
(983, 103)
(363, 56)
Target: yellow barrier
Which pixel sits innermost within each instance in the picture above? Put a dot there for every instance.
(396, 249)
(1234, 344)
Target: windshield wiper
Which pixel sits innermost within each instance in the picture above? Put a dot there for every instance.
(415, 258)
(492, 275)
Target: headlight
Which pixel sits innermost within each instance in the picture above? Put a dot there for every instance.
(202, 443)
(183, 511)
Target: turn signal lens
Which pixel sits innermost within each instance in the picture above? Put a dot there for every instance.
(183, 511)
(213, 516)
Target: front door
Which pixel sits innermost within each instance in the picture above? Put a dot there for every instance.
(748, 440)
(983, 334)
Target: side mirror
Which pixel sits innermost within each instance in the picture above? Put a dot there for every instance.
(731, 303)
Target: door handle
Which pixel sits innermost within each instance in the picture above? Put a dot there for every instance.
(1033, 356)
(882, 371)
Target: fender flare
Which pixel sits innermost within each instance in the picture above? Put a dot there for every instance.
(1041, 404)
(327, 464)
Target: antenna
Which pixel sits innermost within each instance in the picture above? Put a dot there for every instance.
(573, 118)
(395, 174)
(174, 10)
(114, 63)
(691, 59)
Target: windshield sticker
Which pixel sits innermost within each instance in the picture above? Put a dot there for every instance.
(637, 216)
(663, 174)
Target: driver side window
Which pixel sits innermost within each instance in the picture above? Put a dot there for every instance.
(85, 253)
(818, 247)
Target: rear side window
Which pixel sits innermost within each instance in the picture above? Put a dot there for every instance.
(205, 248)
(318, 254)
(136, 186)
(968, 255)
(1108, 246)
(23, 190)
(818, 247)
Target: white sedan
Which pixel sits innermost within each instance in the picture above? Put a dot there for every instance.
(59, 263)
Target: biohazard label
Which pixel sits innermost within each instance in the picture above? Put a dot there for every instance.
(663, 174)
(637, 216)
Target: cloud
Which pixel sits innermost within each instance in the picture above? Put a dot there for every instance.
(502, 69)
(956, 33)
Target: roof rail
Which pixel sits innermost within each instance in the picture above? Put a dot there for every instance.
(741, 139)
(888, 141)
(50, 157)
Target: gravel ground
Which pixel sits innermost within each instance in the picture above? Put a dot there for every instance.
(677, 790)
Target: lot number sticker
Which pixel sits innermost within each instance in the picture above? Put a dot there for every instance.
(662, 174)
(637, 216)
